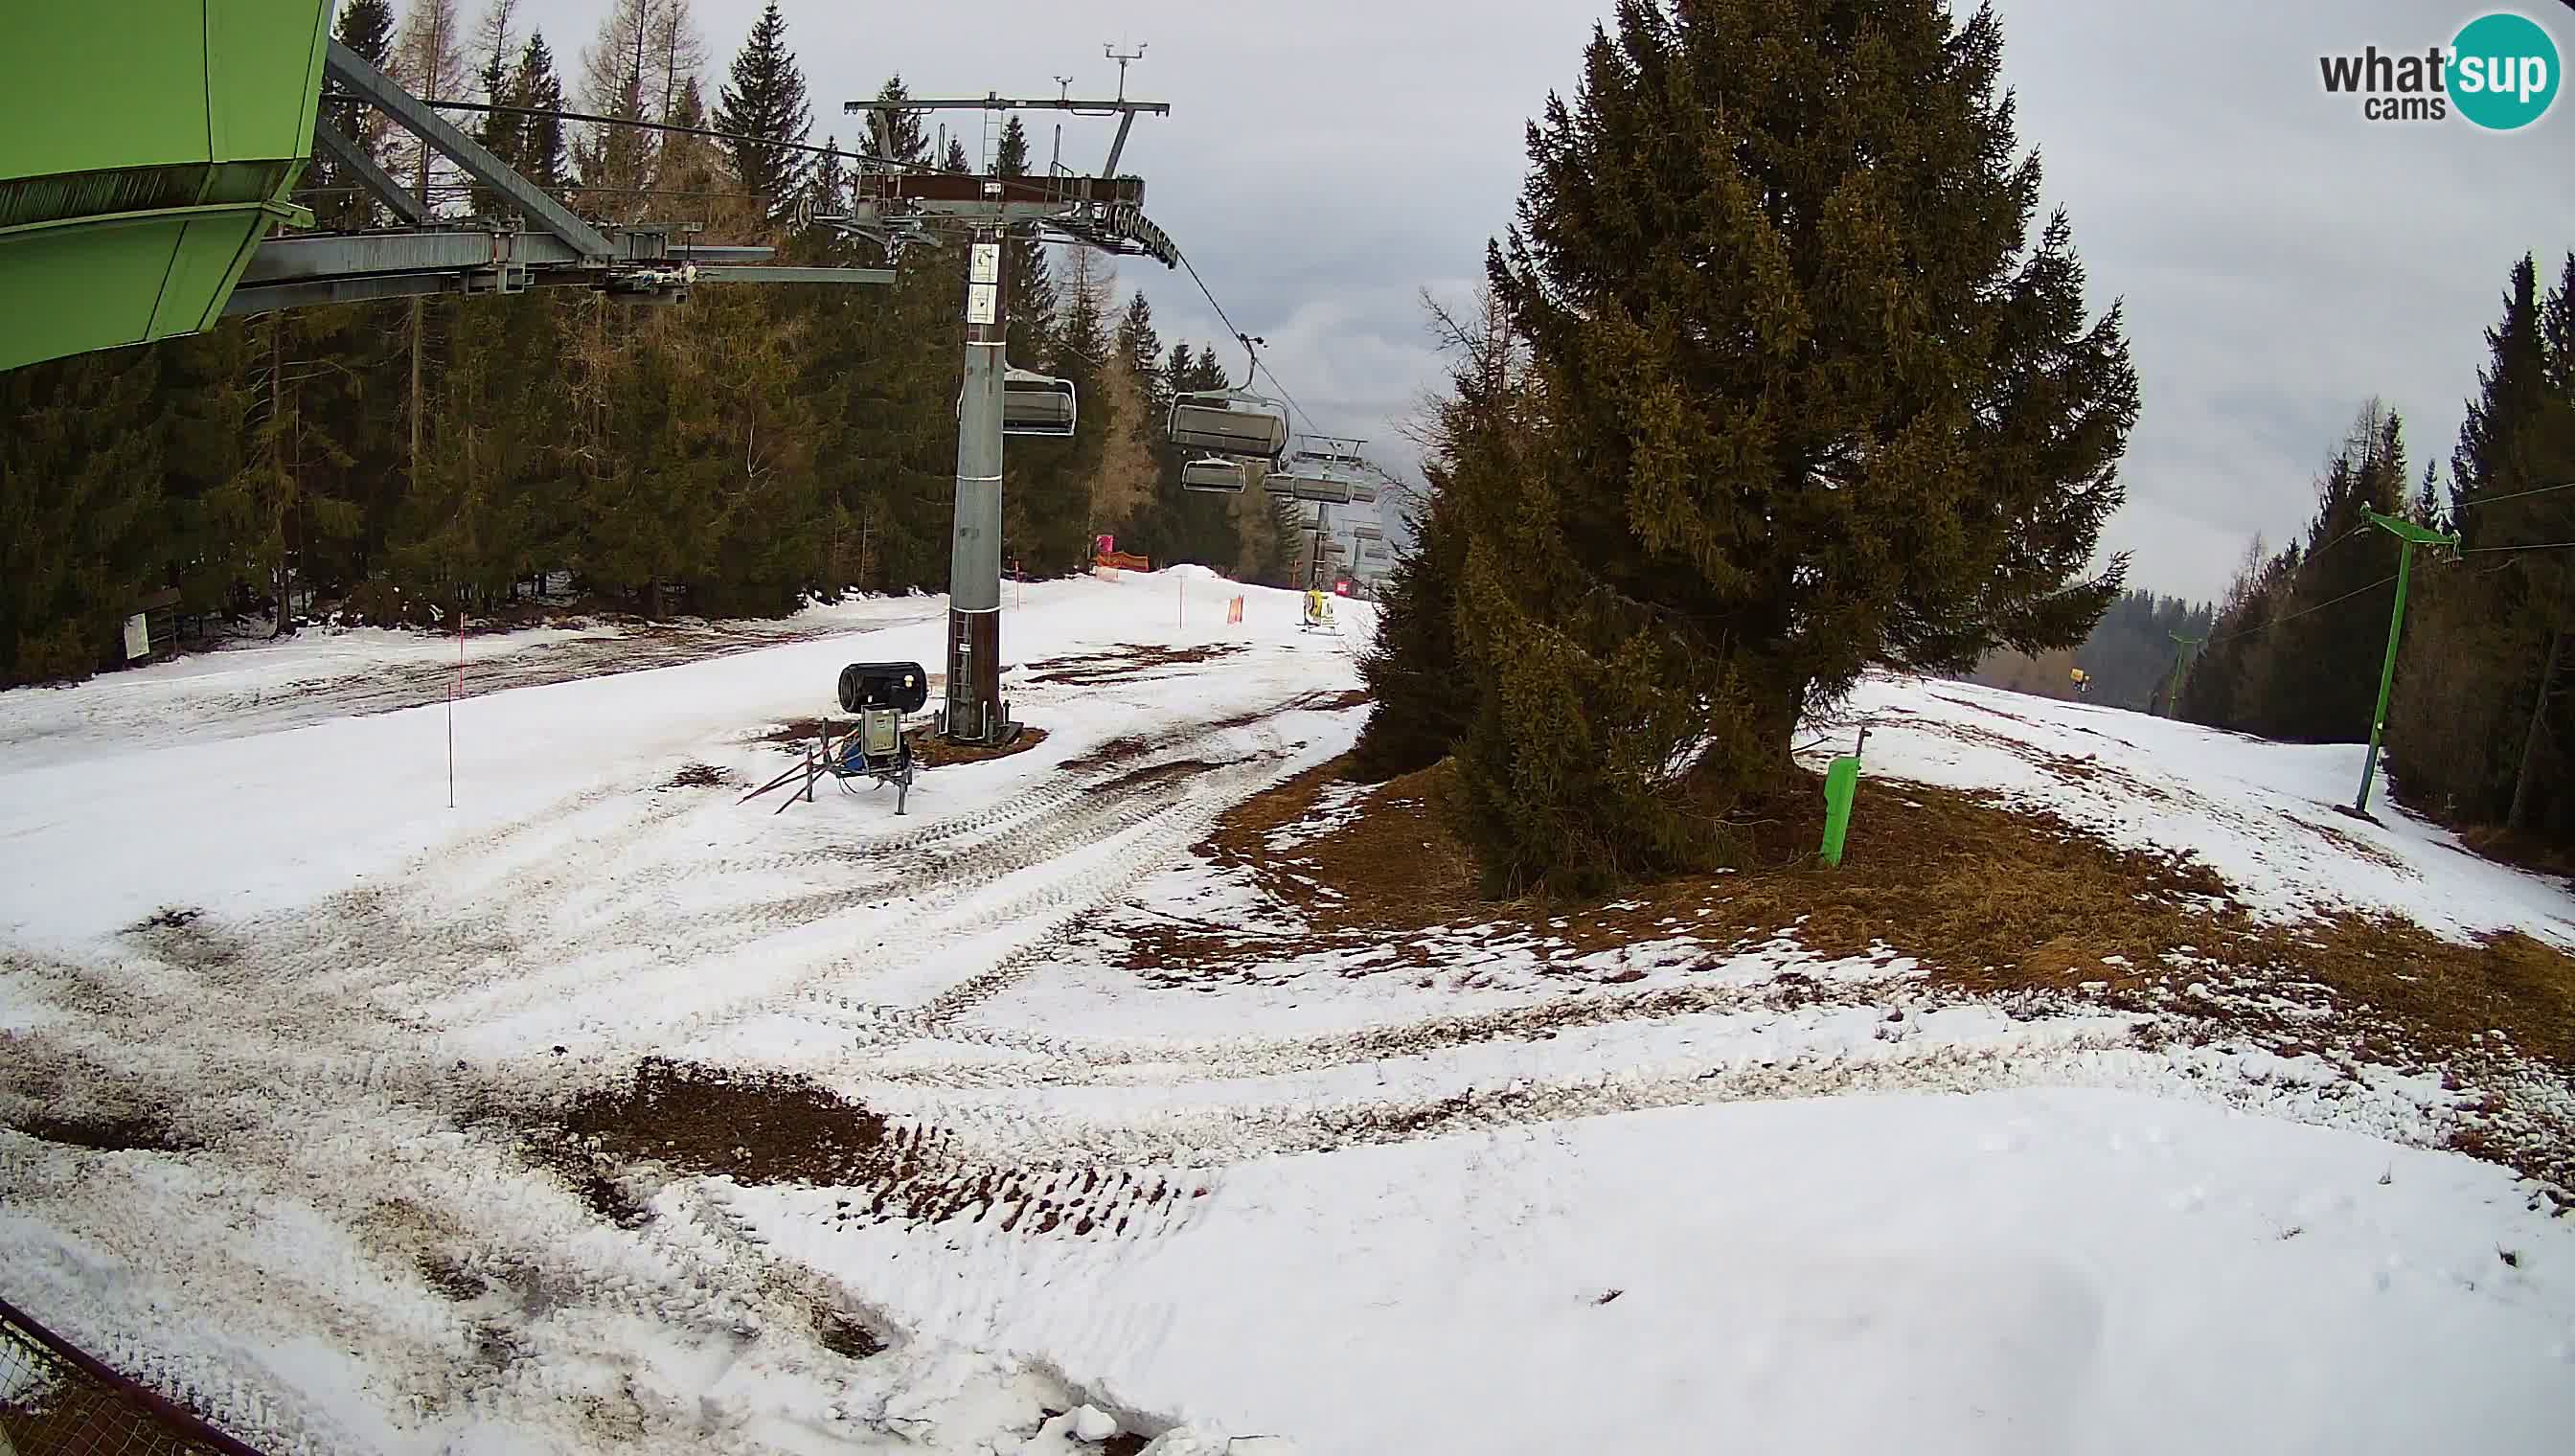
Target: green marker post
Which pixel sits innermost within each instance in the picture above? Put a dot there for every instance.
(2412, 536)
(1841, 784)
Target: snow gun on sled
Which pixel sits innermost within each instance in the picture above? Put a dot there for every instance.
(875, 748)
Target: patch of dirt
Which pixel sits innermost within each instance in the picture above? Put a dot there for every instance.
(2519, 850)
(2066, 767)
(934, 752)
(699, 775)
(1123, 660)
(451, 1279)
(1992, 901)
(2346, 842)
(131, 1132)
(795, 732)
(845, 1336)
(701, 1121)
(1128, 750)
(172, 918)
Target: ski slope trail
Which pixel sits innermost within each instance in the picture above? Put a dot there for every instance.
(606, 1111)
(321, 674)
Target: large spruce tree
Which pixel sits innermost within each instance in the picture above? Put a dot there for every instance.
(2482, 729)
(765, 100)
(1809, 394)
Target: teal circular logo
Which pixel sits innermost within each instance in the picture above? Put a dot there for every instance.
(2503, 71)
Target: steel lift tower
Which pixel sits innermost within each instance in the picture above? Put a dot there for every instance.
(896, 209)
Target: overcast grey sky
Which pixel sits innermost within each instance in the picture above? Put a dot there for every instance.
(2282, 260)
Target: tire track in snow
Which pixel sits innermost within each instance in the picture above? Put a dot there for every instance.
(1076, 1062)
(1206, 1136)
(1177, 811)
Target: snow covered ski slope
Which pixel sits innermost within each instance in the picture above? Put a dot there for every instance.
(602, 1113)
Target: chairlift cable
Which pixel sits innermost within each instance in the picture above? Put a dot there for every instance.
(2515, 496)
(2303, 611)
(689, 131)
(1258, 364)
(2536, 546)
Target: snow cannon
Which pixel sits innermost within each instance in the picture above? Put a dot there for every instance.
(901, 686)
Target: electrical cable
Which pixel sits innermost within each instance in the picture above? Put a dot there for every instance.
(687, 131)
(2301, 612)
(1258, 364)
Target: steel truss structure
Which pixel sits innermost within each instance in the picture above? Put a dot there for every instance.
(545, 245)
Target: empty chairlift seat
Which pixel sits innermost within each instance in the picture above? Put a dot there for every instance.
(1369, 533)
(1216, 476)
(1323, 479)
(1037, 404)
(1230, 421)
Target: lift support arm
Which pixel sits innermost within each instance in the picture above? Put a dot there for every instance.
(378, 90)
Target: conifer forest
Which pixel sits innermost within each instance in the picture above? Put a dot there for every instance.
(394, 462)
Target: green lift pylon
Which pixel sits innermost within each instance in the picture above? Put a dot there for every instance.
(2412, 536)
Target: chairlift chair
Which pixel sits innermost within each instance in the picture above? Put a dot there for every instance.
(1216, 476)
(1232, 422)
(1037, 404)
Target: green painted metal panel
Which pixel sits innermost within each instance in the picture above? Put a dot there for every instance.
(86, 87)
(1841, 784)
(94, 286)
(145, 147)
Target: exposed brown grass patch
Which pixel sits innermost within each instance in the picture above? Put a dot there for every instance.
(1123, 660)
(1392, 864)
(934, 752)
(1128, 749)
(798, 731)
(131, 1132)
(763, 1130)
(2521, 851)
(2066, 767)
(2344, 841)
(1990, 901)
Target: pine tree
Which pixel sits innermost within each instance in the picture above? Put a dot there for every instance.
(428, 57)
(502, 134)
(766, 99)
(1809, 395)
(339, 201)
(2481, 728)
(541, 157)
(1413, 667)
(1030, 297)
(615, 163)
(894, 135)
(956, 160)
(2491, 458)
(83, 518)
(2314, 679)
